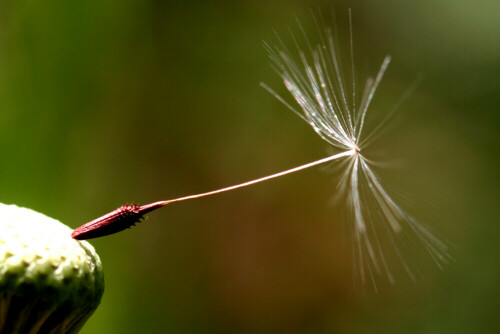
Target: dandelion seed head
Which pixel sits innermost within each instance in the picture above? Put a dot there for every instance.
(314, 76)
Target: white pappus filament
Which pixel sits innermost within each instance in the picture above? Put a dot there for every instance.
(328, 103)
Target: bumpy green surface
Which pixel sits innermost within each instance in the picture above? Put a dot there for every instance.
(48, 281)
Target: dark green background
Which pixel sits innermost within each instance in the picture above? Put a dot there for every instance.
(107, 102)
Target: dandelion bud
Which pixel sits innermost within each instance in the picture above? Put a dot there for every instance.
(49, 282)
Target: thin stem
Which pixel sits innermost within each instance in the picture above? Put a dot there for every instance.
(130, 214)
(156, 205)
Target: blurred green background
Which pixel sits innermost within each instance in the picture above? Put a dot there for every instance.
(107, 102)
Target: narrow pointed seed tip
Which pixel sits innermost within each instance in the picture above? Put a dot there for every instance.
(115, 221)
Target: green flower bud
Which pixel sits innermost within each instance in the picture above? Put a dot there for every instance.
(49, 282)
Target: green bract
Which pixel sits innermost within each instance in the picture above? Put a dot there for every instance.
(49, 282)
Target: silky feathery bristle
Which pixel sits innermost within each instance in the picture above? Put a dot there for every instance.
(113, 222)
(313, 75)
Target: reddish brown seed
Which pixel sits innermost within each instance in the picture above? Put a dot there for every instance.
(113, 222)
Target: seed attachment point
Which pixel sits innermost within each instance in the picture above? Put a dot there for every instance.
(118, 220)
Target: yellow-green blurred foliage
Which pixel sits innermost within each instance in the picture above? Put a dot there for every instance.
(107, 102)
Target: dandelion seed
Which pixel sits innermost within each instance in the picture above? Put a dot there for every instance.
(317, 83)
